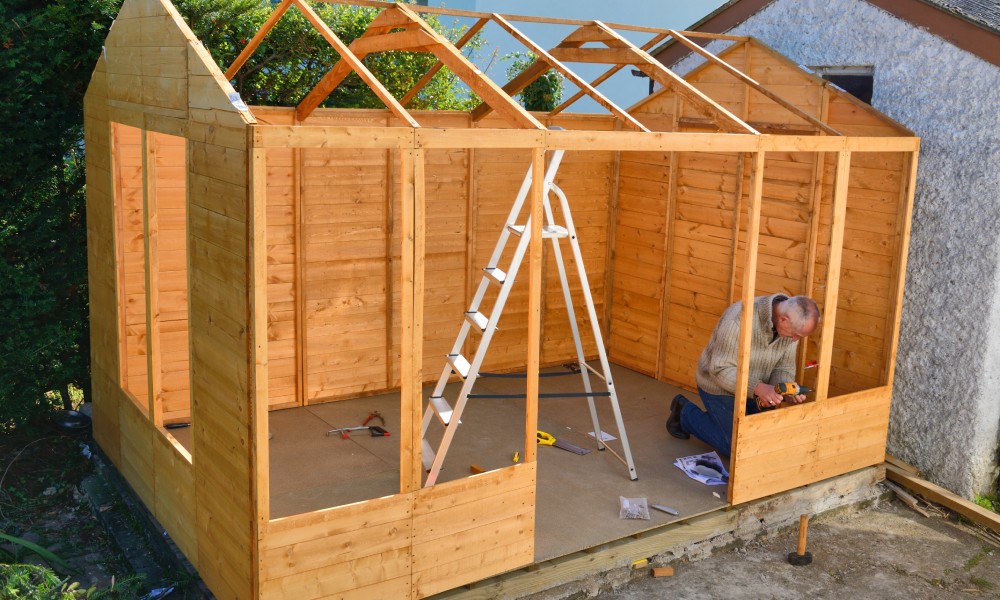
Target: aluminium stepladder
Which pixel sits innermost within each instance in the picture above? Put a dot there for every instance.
(485, 325)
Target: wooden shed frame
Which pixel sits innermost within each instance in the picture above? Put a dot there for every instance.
(747, 172)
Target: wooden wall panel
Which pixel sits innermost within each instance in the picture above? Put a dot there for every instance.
(467, 530)
(102, 269)
(357, 551)
(221, 338)
(701, 257)
(137, 437)
(345, 229)
(174, 504)
(639, 259)
(783, 449)
(170, 189)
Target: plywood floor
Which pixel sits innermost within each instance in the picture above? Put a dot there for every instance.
(578, 496)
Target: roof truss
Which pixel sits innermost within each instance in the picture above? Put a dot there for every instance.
(398, 27)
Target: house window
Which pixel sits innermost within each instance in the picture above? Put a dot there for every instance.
(855, 80)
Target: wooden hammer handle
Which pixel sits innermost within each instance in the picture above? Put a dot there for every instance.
(803, 531)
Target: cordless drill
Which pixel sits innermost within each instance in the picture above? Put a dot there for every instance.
(788, 388)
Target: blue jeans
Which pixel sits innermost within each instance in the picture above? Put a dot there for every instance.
(714, 425)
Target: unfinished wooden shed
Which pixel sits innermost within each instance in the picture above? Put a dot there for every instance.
(246, 260)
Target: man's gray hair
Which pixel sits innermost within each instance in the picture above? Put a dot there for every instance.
(800, 310)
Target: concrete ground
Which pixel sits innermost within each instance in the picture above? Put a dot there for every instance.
(885, 551)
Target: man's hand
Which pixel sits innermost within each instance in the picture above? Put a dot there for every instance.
(767, 395)
(799, 399)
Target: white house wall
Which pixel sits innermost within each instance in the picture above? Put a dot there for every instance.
(946, 405)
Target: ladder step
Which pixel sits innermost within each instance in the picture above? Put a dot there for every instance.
(441, 408)
(495, 275)
(460, 365)
(477, 319)
(427, 455)
(548, 231)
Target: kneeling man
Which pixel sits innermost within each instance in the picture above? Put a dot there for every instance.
(779, 322)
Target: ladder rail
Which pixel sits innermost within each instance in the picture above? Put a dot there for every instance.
(595, 325)
(571, 314)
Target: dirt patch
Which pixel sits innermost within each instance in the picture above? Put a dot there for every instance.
(885, 551)
(44, 501)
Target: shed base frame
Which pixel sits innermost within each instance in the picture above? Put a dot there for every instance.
(695, 538)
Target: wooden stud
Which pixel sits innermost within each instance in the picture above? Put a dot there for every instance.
(302, 331)
(258, 382)
(604, 76)
(349, 61)
(737, 213)
(411, 189)
(536, 197)
(747, 314)
(668, 250)
(548, 58)
(906, 215)
(753, 83)
(609, 255)
(468, 35)
(839, 219)
(151, 236)
(258, 37)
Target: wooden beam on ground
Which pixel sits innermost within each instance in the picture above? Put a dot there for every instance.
(605, 76)
(348, 61)
(753, 83)
(899, 464)
(251, 47)
(569, 74)
(472, 31)
(482, 85)
(667, 78)
(938, 494)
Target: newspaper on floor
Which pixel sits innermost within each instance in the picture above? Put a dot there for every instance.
(706, 468)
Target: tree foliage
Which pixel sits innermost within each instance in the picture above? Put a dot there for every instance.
(542, 94)
(294, 56)
(47, 51)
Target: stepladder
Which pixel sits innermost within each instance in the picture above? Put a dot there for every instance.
(479, 324)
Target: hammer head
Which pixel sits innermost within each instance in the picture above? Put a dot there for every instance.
(800, 560)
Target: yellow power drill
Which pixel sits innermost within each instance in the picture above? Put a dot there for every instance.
(788, 388)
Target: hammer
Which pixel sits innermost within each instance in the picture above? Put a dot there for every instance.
(800, 557)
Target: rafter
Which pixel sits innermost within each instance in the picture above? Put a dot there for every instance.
(753, 83)
(470, 74)
(348, 62)
(544, 55)
(251, 47)
(472, 31)
(667, 78)
(606, 75)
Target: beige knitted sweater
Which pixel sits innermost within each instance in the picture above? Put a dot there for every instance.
(772, 359)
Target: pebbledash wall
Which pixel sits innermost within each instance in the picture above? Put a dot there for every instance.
(946, 401)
